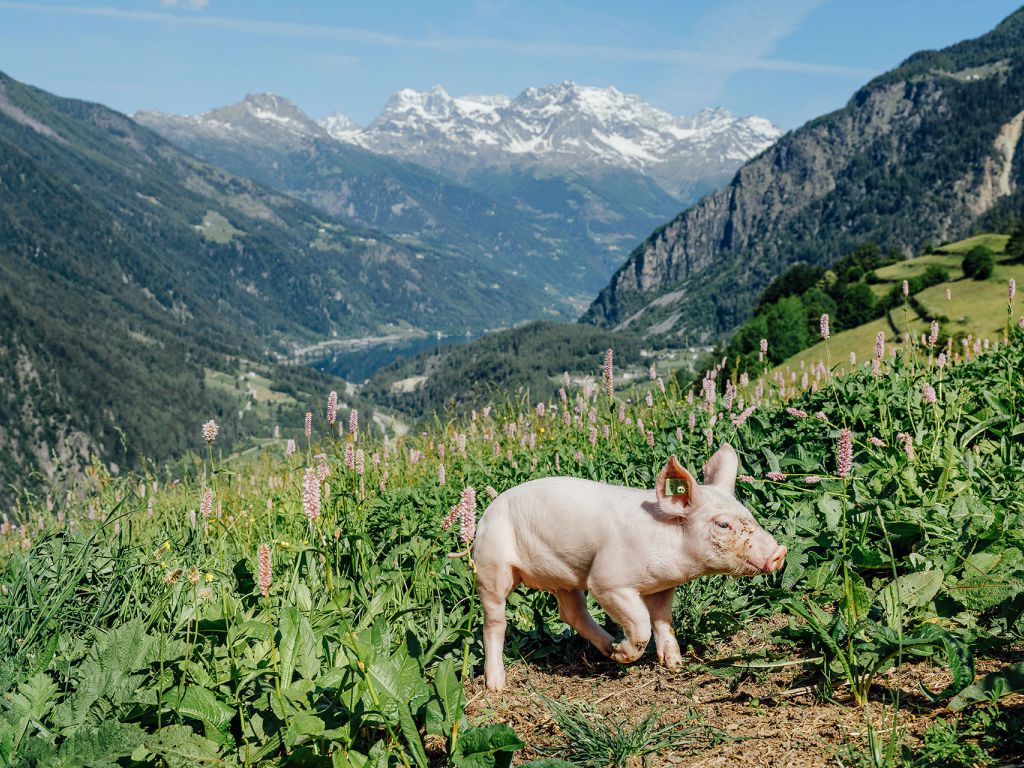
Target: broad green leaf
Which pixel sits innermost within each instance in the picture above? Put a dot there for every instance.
(101, 747)
(202, 704)
(832, 510)
(490, 746)
(992, 687)
(959, 658)
(912, 590)
(445, 709)
(412, 735)
(397, 679)
(298, 648)
(180, 747)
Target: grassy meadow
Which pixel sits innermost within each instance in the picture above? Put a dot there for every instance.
(296, 605)
(975, 308)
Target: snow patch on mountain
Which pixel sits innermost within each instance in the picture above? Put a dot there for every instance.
(563, 125)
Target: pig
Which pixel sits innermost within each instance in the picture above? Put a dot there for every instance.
(629, 547)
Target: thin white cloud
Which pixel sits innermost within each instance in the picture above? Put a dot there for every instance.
(715, 60)
(738, 35)
(192, 5)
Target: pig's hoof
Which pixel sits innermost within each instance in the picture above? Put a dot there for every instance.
(495, 682)
(625, 652)
(672, 662)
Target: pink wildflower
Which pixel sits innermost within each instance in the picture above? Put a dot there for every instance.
(812, 479)
(880, 345)
(741, 418)
(933, 333)
(350, 456)
(567, 418)
(540, 410)
(440, 474)
(593, 435)
(650, 439)
(844, 453)
(332, 408)
(661, 385)
(692, 420)
(949, 294)
(776, 476)
(323, 469)
(877, 441)
(746, 479)
(608, 373)
(928, 393)
(796, 412)
(467, 515)
(579, 457)
(906, 288)
(206, 508)
(876, 366)
(309, 425)
(908, 444)
(353, 421)
(210, 431)
(1012, 289)
(264, 568)
(289, 447)
(652, 374)
(360, 461)
(853, 359)
(451, 517)
(823, 326)
(311, 494)
(649, 400)
(491, 493)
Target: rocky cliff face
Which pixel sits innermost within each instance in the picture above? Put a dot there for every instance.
(919, 154)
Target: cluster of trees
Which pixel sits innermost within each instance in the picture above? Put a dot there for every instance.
(789, 310)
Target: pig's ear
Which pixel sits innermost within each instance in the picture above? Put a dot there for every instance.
(721, 468)
(678, 500)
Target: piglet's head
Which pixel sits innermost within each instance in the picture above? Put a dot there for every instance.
(723, 536)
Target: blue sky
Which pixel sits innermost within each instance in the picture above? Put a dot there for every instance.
(787, 60)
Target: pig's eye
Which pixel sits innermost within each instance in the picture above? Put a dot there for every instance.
(722, 524)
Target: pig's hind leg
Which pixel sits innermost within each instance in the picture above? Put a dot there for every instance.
(660, 607)
(629, 610)
(494, 585)
(572, 607)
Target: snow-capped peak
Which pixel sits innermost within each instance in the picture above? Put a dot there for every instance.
(564, 124)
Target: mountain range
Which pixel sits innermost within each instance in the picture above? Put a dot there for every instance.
(556, 184)
(563, 125)
(922, 154)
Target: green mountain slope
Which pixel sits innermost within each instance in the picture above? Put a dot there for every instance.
(127, 267)
(923, 153)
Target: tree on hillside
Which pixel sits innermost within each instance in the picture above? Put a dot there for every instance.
(979, 263)
(1015, 245)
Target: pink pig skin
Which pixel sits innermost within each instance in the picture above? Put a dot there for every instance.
(629, 547)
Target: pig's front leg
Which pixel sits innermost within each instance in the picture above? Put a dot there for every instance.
(660, 606)
(628, 609)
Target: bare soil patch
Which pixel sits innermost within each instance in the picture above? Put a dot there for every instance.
(773, 719)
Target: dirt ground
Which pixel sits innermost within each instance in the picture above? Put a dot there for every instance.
(770, 720)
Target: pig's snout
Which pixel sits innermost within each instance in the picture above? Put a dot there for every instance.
(776, 561)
